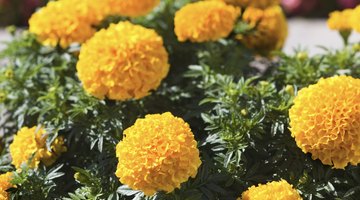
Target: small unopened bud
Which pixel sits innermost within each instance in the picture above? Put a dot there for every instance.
(9, 73)
(264, 83)
(302, 56)
(81, 178)
(2, 97)
(243, 112)
(290, 89)
(52, 89)
(356, 47)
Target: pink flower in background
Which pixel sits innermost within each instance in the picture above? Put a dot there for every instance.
(28, 7)
(348, 3)
(299, 7)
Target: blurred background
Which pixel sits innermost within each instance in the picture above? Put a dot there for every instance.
(17, 12)
(307, 22)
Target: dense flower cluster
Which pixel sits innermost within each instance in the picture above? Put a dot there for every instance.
(71, 21)
(122, 62)
(4, 185)
(29, 146)
(205, 21)
(158, 153)
(131, 8)
(339, 20)
(355, 19)
(270, 29)
(67, 21)
(254, 3)
(325, 121)
(279, 190)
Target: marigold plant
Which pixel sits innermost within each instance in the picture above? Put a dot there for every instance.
(123, 62)
(325, 121)
(29, 146)
(67, 21)
(355, 19)
(342, 21)
(270, 29)
(339, 20)
(4, 185)
(205, 21)
(158, 153)
(279, 190)
(131, 8)
(254, 3)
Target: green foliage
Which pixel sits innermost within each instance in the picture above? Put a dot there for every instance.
(302, 70)
(35, 184)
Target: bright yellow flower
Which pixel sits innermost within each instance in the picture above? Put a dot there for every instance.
(131, 8)
(325, 121)
(270, 29)
(66, 21)
(355, 19)
(205, 21)
(254, 3)
(158, 153)
(29, 146)
(339, 20)
(279, 190)
(4, 185)
(122, 62)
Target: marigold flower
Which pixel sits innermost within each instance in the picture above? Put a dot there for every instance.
(339, 20)
(122, 62)
(157, 153)
(29, 146)
(270, 29)
(355, 19)
(254, 3)
(66, 21)
(4, 185)
(205, 21)
(325, 121)
(131, 8)
(279, 190)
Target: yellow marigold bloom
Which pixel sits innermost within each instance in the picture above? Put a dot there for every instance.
(325, 121)
(122, 62)
(270, 29)
(355, 24)
(279, 190)
(205, 21)
(254, 3)
(29, 146)
(4, 185)
(339, 20)
(66, 21)
(158, 153)
(131, 8)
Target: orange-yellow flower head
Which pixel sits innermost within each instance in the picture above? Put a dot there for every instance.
(29, 146)
(205, 21)
(254, 3)
(66, 21)
(325, 121)
(355, 24)
(158, 153)
(270, 29)
(4, 185)
(279, 190)
(123, 62)
(339, 20)
(131, 8)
